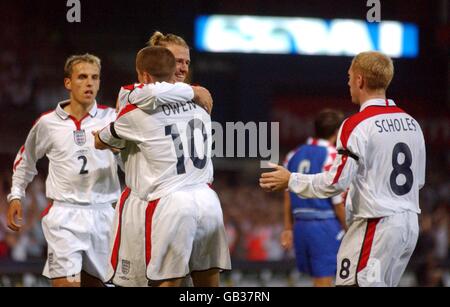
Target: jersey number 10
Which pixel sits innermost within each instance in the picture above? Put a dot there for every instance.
(173, 131)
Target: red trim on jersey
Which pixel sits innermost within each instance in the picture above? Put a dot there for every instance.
(42, 115)
(387, 103)
(351, 123)
(140, 85)
(333, 156)
(115, 252)
(314, 142)
(371, 111)
(128, 108)
(367, 243)
(151, 207)
(17, 164)
(128, 87)
(46, 210)
(78, 122)
(21, 151)
(102, 107)
(340, 169)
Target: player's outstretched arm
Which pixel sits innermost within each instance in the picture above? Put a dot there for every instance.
(277, 180)
(323, 185)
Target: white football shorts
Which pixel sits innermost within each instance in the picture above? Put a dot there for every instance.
(375, 252)
(78, 239)
(167, 238)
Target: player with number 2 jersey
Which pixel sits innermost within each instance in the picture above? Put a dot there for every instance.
(82, 182)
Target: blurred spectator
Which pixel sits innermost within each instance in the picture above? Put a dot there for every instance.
(252, 218)
(430, 256)
(29, 242)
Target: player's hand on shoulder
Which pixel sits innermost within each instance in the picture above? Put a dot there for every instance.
(14, 215)
(203, 98)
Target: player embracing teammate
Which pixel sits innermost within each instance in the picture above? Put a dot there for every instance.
(169, 223)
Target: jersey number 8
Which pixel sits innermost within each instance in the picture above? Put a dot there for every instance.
(401, 169)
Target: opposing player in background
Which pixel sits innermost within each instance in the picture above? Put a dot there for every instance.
(315, 226)
(169, 223)
(381, 157)
(82, 182)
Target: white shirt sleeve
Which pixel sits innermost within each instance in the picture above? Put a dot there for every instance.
(109, 137)
(337, 179)
(24, 170)
(120, 131)
(337, 200)
(150, 96)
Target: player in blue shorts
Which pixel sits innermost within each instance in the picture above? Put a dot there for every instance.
(315, 226)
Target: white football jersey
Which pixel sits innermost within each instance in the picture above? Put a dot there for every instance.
(78, 173)
(381, 158)
(150, 96)
(172, 139)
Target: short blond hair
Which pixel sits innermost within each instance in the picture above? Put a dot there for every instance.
(159, 39)
(376, 68)
(76, 59)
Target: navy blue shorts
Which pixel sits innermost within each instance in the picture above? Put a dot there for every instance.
(316, 246)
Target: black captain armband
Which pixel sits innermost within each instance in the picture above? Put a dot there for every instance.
(113, 131)
(110, 146)
(346, 152)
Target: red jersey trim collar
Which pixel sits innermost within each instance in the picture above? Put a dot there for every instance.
(64, 115)
(377, 102)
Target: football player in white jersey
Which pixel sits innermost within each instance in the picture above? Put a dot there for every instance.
(381, 158)
(82, 182)
(180, 49)
(169, 221)
(161, 93)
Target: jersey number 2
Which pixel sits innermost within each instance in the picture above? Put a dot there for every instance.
(401, 169)
(83, 170)
(173, 131)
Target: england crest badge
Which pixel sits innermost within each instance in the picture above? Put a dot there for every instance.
(79, 137)
(125, 267)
